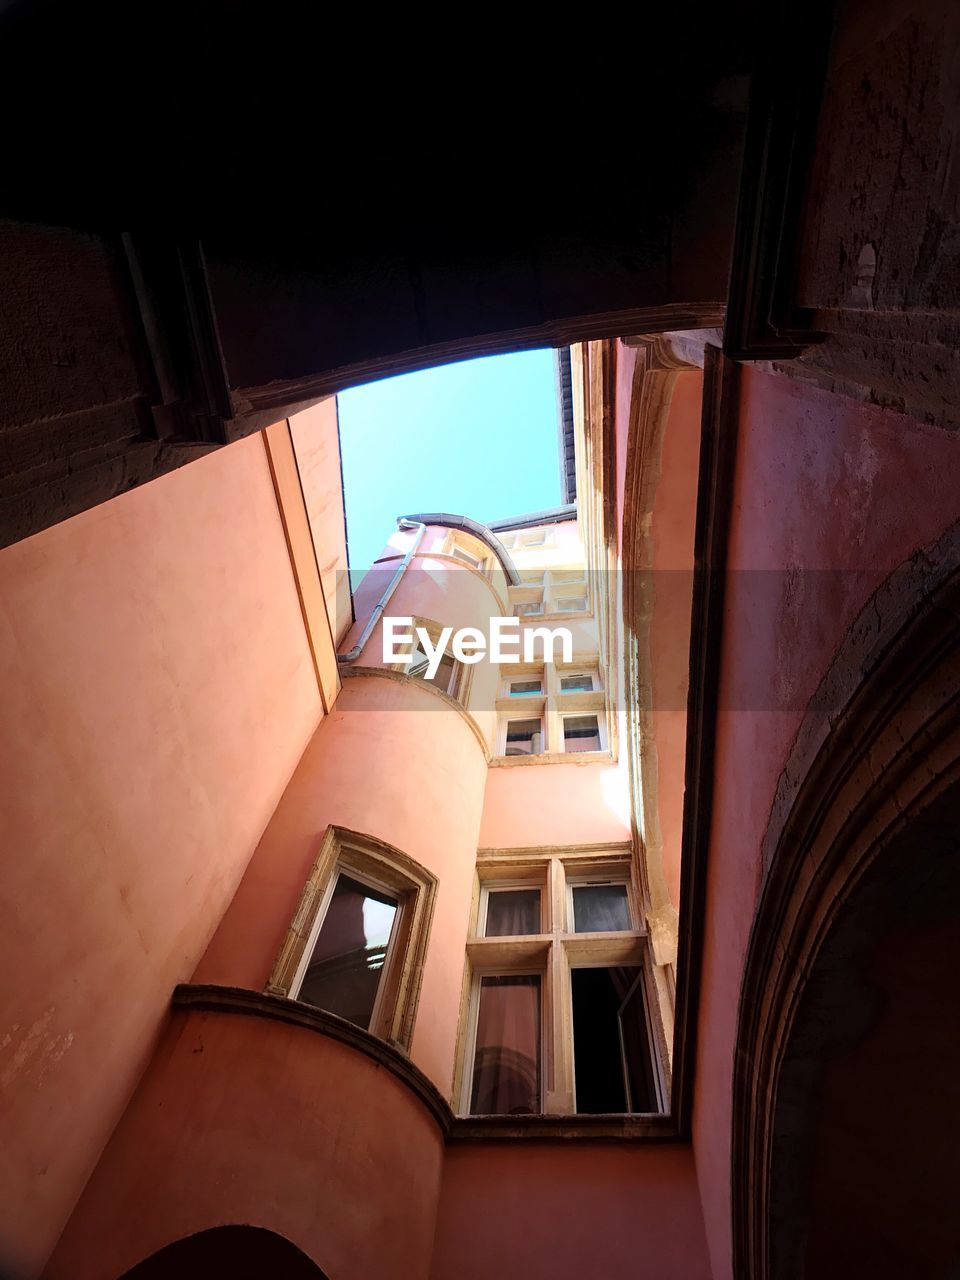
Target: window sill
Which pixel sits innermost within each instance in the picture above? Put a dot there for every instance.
(570, 1128)
(552, 757)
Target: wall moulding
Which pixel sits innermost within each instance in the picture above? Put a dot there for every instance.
(240, 1002)
(879, 745)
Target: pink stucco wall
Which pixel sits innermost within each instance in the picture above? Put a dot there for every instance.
(556, 803)
(672, 531)
(316, 442)
(830, 496)
(390, 761)
(244, 1120)
(158, 692)
(569, 1213)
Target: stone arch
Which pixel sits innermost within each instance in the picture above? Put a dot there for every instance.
(239, 1252)
(862, 813)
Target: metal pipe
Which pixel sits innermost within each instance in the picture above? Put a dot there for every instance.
(445, 520)
(344, 659)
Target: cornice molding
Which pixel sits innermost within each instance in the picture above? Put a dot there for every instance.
(210, 998)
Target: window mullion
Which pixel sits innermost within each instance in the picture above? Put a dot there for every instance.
(559, 1096)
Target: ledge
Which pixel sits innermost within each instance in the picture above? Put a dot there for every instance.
(209, 998)
(552, 757)
(613, 1128)
(257, 1004)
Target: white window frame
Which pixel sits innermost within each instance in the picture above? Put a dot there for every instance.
(473, 1014)
(600, 881)
(601, 730)
(502, 737)
(591, 673)
(569, 604)
(521, 677)
(497, 886)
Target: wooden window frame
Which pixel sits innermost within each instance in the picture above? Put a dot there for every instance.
(373, 862)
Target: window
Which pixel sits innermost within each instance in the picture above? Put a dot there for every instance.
(448, 676)
(582, 733)
(569, 604)
(468, 557)
(525, 688)
(566, 708)
(528, 608)
(574, 1037)
(611, 1048)
(580, 682)
(511, 912)
(524, 738)
(506, 1062)
(599, 908)
(356, 945)
(343, 971)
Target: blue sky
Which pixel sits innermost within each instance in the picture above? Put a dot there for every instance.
(410, 444)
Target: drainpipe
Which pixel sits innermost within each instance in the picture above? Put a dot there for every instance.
(344, 659)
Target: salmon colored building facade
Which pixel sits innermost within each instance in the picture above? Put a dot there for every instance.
(324, 958)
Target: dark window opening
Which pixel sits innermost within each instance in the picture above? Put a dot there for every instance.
(344, 971)
(611, 1046)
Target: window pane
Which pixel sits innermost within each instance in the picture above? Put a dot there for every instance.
(523, 737)
(518, 687)
(506, 1066)
(581, 733)
(570, 683)
(511, 912)
(600, 908)
(527, 608)
(445, 676)
(611, 1048)
(344, 971)
(460, 554)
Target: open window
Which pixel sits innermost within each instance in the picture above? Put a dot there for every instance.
(559, 999)
(357, 942)
(449, 675)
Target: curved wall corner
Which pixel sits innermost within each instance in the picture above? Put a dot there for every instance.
(391, 761)
(236, 1117)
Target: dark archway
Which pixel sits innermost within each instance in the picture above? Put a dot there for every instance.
(237, 1252)
(845, 1116)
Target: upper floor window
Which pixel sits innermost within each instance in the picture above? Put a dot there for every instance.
(582, 733)
(579, 682)
(468, 557)
(357, 942)
(449, 673)
(560, 993)
(523, 737)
